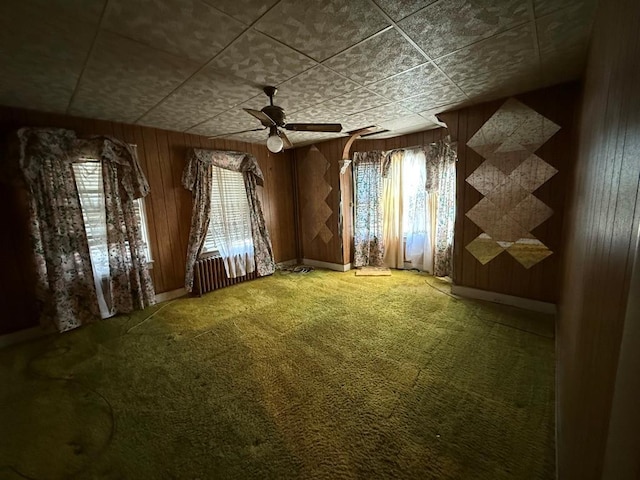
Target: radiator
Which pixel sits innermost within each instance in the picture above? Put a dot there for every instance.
(209, 274)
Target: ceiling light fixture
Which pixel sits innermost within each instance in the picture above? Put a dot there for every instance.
(275, 144)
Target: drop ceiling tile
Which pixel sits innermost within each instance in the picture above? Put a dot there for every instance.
(321, 28)
(262, 60)
(124, 79)
(247, 11)
(318, 114)
(355, 101)
(187, 28)
(430, 113)
(43, 47)
(421, 127)
(205, 95)
(61, 30)
(432, 98)
(399, 9)
(544, 7)
(564, 65)
(311, 87)
(44, 84)
(251, 137)
(301, 138)
(389, 52)
(516, 46)
(54, 12)
(446, 26)
(564, 30)
(509, 80)
(227, 122)
(374, 116)
(411, 82)
(411, 122)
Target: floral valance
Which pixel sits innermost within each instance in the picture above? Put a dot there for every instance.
(41, 145)
(197, 178)
(235, 161)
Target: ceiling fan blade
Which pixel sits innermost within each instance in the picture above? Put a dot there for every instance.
(285, 139)
(314, 127)
(237, 133)
(263, 117)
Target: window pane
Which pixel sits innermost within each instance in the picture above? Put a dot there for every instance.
(88, 176)
(230, 215)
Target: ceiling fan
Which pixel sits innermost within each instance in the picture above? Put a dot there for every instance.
(272, 117)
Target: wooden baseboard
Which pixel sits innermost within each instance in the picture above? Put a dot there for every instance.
(329, 266)
(526, 303)
(165, 296)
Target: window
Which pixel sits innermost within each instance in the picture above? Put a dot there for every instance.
(229, 230)
(88, 177)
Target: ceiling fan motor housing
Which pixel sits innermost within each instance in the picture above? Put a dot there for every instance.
(275, 113)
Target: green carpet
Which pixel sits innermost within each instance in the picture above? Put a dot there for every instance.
(322, 375)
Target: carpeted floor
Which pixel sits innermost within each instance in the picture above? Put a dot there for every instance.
(322, 375)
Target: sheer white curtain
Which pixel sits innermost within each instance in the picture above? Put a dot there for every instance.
(392, 210)
(230, 225)
(418, 222)
(88, 177)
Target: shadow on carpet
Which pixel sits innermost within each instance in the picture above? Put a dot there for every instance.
(315, 376)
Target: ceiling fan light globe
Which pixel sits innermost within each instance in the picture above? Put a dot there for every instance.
(275, 144)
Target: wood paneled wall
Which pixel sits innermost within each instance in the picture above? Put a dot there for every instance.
(504, 274)
(339, 249)
(312, 186)
(162, 156)
(598, 390)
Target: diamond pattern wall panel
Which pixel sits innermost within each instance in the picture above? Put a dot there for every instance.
(315, 207)
(507, 178)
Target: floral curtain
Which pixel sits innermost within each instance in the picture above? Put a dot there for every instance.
(368, 242)
(441, 186)
(65, 282)
(197, 178)
(64, 276)
(130, 283)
